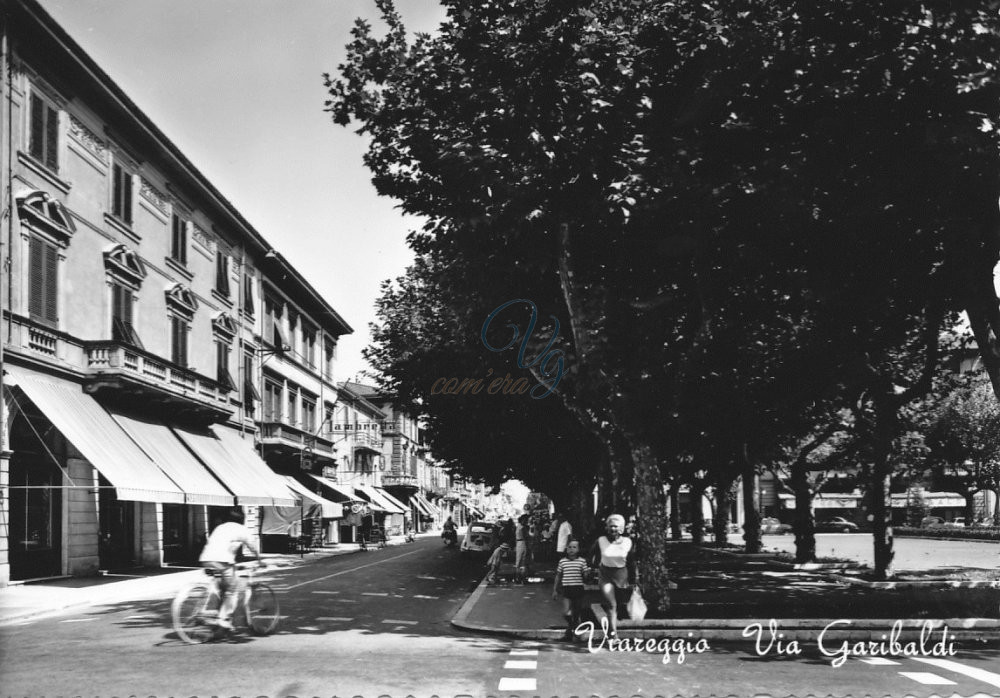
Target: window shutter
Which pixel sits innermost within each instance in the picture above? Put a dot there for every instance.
(116, 191)
(36, 292)
(127, 203)
(36, 143)
(51, 269)
(51, 138)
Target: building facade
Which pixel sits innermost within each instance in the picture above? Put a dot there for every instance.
(161, 363)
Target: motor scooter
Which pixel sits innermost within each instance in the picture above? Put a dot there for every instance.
(450, 537)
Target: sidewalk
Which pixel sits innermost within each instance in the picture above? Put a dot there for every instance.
(20, 602)
(719, 596)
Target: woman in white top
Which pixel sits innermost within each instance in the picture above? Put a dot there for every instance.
(614, 557)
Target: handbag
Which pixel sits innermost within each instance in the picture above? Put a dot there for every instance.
(636, 605)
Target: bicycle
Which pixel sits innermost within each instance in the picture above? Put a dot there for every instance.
(194, 611)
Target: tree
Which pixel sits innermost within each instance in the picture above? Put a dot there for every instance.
(661, 174)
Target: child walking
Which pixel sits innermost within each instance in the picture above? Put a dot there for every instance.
(570, 575)
(496, 559)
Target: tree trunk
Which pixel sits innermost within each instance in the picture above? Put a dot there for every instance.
(881, 482)
(723, 499)
(970, 508)
(652, 529)
(675, 510)
(805, 525)
(697, 491)
(751, 509)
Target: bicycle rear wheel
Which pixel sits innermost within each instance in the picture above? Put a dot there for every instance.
(190, 614)
(262, 610)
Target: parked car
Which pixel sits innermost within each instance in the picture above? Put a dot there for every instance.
(932, 522)
(480, 537)
(957, 523)
(771, 525)
(838, 524)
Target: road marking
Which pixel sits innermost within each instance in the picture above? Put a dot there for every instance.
(421, 596)
(520, 664)
(373, 593)
(324, 592)
(926, 678)
(880, 661)
(524, 653)
(335, 618)
(78, 620)
(354, 569)
(972, 672)
(397, 622)
(139, 617)
(518, 685)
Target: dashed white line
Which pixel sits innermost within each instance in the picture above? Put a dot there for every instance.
(880, 661)
(422, 596)
(524, 653)
(139, 617)
(324, 592)
(927, 678)
(520, 664)
(518, 685)
(78, 620)
(335, 618)
(972, 672)
(373, 593)
(400, 622)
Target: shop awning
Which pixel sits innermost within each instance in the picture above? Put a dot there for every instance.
(375, 500)
(233, 460)
(98, 437)
(403, 508)
(330, 510)
(342, 492)
(176, 460)
(422, 505)
(474, 509)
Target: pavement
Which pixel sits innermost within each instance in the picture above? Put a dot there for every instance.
(716, 596)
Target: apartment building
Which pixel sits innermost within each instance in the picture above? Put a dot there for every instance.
(160, 361)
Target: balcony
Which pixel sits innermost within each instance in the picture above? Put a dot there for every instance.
(399, 480)
(365, 440)
(287, 442)
(392, 427)
(122, 371)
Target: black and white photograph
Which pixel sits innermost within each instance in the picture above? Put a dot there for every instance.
(499, 348)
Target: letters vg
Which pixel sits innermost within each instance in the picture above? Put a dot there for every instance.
(551, 362)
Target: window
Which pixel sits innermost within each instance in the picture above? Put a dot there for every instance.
(43, 144)
(248, 307)
(121, 194)
(292, 413)
(272, 322)
(122, 329)
(309, 345)
(222, 374)
(293, 329)
(250, 394)
(42, 281)
(222, 274)
(179, 329)
(178, 239)
(308, 414)
(329, 353)
(272, 401)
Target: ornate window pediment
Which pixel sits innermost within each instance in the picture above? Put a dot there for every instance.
(181, 300)
(224, 324)
(39, 210)
(125, 265)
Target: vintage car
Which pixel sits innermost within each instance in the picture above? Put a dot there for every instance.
(771, 525)
(838, 524)
(480, 537)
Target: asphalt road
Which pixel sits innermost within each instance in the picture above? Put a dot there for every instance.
(377, 624)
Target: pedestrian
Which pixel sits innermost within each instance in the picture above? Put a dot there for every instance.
(571, 574)
(495, 561)
(562, 538)
(521, 550)
(614, 556)
(219, 556)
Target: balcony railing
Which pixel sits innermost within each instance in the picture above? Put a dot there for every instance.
(115, 366)
(366, 439)
(397, 479)
(279, 433)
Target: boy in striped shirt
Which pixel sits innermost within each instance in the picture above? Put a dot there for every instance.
(570, 576)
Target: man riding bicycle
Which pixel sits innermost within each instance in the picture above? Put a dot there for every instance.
(220, 553)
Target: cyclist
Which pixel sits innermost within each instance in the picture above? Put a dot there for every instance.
(220, 553)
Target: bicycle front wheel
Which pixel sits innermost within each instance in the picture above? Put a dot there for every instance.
(262, 610)
(190, 613)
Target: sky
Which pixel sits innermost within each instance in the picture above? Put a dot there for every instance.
(237, 85)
